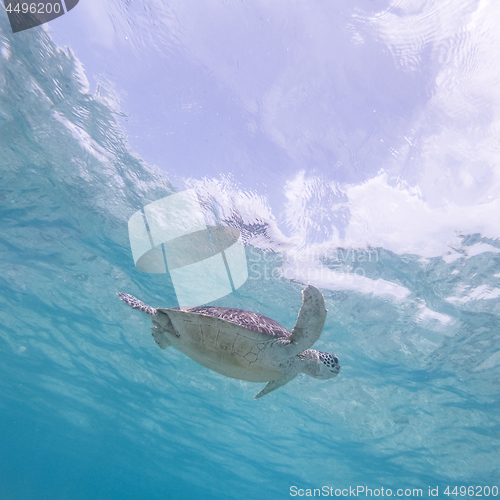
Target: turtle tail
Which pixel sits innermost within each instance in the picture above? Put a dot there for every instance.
(137, 304)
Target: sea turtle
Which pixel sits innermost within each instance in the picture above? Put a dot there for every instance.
(243, 344)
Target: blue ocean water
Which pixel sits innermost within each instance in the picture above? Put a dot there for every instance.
(91, 408)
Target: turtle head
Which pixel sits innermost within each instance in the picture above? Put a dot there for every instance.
(331, 365)
(318, 364)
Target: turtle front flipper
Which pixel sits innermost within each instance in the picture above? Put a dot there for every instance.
(309, 323)
(274, 384)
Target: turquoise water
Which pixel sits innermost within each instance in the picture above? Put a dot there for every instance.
(91, 408)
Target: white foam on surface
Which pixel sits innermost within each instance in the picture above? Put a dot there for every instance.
(426, 313)
(376, 215)
(313, 272)
(482, 292)
(84, 139)
(397, 218)
(480, 248)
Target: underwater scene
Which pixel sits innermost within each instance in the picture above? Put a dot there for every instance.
(345, 150)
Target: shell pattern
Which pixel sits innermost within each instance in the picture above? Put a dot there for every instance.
(246, 319)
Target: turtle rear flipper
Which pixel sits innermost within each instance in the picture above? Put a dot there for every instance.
(160, 337)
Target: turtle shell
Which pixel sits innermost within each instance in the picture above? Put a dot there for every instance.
(229, 341)
(247, 319)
